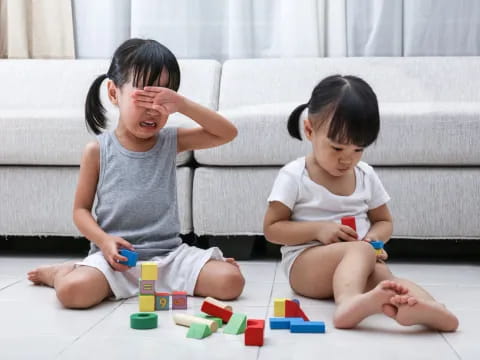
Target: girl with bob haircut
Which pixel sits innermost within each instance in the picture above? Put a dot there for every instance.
(323, 258)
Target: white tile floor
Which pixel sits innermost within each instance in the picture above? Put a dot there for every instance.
(34, 326)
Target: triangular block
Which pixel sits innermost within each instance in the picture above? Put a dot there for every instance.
(198, 331)
(236, 325)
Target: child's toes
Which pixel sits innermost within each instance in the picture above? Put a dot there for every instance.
(411, 301)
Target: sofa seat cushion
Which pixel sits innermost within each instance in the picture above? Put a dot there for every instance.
(51, 137)
(412, 133)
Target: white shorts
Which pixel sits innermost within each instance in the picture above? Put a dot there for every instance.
(178, 270)
(290, 254)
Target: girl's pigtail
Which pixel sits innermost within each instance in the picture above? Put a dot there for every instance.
(294, 121)
(94, 110)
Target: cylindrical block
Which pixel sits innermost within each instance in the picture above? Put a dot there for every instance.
(187, 320)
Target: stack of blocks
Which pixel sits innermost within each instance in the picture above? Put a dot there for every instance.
(289, 315)
(149, 300)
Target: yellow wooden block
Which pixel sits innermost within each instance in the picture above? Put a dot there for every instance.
(149, 271)
(279, 307)
(378, 251)
(146, 303)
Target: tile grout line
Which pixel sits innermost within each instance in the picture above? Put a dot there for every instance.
(450, 345)
(90, 328)
(7, 286)
(268, 306)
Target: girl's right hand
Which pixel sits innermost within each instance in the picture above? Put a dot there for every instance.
(330, 232)
(110, 248)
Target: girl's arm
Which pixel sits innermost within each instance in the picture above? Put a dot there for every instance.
(279, 229)
(382, 224)
(215, 130)
(82, 208)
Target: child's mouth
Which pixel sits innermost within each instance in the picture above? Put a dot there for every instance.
(149, 124)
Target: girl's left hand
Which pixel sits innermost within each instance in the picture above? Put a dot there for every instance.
(161, 99)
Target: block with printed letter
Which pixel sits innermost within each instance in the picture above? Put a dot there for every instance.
(149, 271)
(146, 303)
(162, 301)
(146, 287)
(179, 300)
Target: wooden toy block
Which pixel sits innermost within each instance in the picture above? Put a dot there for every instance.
(254, 334)
(236, 325)
(216, 319)
(281, 322)
(188, 320)
(215, 310)
(162, 301)
(146, 303)
(377, 245)
(301, 326)
(132, 257)
(198, 331)
(147, 287)
(349, 221)
(149, 271)
(279, 307)
(144, 321)
(218, 303)
(179, 300)
(293, 310)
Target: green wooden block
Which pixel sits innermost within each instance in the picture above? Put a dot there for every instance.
(198, 331)
(236, 325)
(209, 317)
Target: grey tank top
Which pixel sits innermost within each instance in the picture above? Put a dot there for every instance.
(137, 194)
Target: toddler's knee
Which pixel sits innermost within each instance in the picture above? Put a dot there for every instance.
(231, 285)
(365, 248)
(71, 295)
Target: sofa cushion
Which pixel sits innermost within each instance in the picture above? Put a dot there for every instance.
(42, 122)
(412, 133)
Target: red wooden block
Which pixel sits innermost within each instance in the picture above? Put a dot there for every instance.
(217, 311)
(292, 309)
(349, 221)
(254, 332)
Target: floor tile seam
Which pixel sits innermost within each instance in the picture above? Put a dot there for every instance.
(62, 351)
(450, 345)
(11, 284)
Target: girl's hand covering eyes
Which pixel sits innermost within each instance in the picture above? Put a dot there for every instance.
(160, 99)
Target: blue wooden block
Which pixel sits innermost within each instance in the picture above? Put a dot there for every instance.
(282, 322)
(301, 326)
(132, 257)
(377, 244)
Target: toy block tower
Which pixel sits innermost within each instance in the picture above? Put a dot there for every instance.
(148, 276)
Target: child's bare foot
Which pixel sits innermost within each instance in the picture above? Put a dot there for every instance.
(45, 275)
(353, 310)
(412, 311)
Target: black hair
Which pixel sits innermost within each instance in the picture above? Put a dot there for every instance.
(351, 106)
(139, 60)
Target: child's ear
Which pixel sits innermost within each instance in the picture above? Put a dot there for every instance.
(308, 128)
(112, 92)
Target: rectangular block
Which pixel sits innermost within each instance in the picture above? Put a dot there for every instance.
(214, 310)
(149, 271)
(146, 303)
(146, 287)
(132, 257)
(349, 221)
(301, 326)
(282, 322)
(162, 301)
(254, 333)
(279, 307)
(179, 300)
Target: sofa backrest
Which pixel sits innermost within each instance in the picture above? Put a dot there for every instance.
(406, 79)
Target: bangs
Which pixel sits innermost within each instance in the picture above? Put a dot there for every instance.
(354, 120)
(147, 64)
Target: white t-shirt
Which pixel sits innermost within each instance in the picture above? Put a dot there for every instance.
(310, 201)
